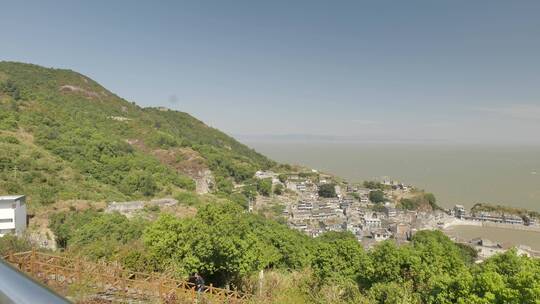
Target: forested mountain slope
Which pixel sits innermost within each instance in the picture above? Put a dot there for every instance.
(64, 136)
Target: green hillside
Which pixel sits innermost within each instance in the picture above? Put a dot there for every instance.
(64, 136)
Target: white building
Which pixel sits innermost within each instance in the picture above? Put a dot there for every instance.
(267, 174)
(380, 234)
(459, 211)
(390, 210)
(12, 214)
(371, 222)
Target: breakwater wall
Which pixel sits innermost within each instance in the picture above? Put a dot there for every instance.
(511, 226)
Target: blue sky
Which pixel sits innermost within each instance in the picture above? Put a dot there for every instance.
(453, 71)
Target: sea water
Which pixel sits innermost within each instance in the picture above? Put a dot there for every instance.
(456, 174)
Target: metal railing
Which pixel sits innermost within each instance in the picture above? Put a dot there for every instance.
(17, 287)
(58, 271)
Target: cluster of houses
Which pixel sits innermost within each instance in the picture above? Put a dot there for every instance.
(268, 175)
(396, 185)
(460, 212)
(350, 210)
(315, 217)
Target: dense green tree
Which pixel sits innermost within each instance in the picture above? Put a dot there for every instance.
(468, 253)
(65, 224)
(220, 252)
(390, 264)
(224, 185)
(96, 234)
(421, 200)
(508, 278)
(250, 191)
(376, 196)
(430, 198)
(110, 227)
(392, 293)
(441, 264)
(264, 186)
(374, 185)
(278, 189)
(409, 204)
(223, 243)
(339, 255)
(295, 248)
(9, 87)
(188, 198)
(327, 190)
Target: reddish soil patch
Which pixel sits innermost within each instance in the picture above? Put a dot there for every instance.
(183, 160)
(76, 89)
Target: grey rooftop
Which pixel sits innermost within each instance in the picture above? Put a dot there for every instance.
(10, 197)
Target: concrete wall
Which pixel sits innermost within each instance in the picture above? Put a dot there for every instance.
(512, 226)
(20, 216)
(6, 212)
(14, 209)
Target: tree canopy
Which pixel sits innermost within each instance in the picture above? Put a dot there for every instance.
(376, 196)
(227, 245)
(224, 244)
(327, 190)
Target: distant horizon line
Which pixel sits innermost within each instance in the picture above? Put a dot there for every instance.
(321, 138)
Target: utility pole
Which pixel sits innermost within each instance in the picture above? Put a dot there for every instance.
(250, 205)
(261, 279)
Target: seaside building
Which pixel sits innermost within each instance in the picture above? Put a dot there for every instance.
(459, 211)
(529, 221)
(496, 218)
(513, 219)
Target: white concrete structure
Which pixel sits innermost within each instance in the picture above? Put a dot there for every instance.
(268, 174)
(371, 222)
(380, 234)
(12, 214)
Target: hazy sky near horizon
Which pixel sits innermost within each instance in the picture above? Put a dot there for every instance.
(453, 71)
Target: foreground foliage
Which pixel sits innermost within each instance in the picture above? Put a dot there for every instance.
(229, 247)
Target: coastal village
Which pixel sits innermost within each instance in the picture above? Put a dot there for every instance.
(347, 207)
(351, 209)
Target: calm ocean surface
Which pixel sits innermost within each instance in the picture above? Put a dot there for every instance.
(463, 174)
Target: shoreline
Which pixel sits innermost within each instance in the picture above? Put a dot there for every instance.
(485, 224)
(501, 236)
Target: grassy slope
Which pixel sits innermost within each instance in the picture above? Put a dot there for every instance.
(35, 171)
(84, 132)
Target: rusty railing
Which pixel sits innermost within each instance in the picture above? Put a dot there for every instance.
(58, 271)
